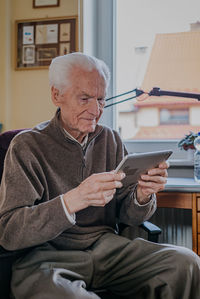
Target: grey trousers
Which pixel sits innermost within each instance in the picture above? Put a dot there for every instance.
(136, 269)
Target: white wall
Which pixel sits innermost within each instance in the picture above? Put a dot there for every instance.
(195, 116)
(127, 124)
(148, 117)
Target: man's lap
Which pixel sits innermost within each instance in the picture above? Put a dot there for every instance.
(113, 262)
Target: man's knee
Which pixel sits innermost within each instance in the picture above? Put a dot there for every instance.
(185, 260)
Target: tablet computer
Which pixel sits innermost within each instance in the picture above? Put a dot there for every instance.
(133, 165)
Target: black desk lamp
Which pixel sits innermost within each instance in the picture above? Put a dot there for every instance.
(156, 91)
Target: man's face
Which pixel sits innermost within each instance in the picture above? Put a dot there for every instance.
(82, 104)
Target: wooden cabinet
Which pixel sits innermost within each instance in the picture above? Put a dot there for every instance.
(184, 200)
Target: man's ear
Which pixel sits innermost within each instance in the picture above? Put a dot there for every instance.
(55, 96)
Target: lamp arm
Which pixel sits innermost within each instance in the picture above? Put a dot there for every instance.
(156, 91)
(138, 92)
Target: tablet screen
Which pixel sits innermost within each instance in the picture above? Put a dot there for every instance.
(133, 165)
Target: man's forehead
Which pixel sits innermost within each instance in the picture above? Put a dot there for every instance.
(92, 93)
(89, 83)
(87, 75)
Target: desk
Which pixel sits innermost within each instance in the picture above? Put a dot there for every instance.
(184, 193)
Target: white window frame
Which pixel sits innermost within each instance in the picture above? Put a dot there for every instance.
(97, 19)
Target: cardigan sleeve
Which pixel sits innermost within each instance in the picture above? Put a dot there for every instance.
(26, 218)
(132, 213)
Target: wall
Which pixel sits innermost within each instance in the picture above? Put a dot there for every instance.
(25, 94)
(127, 122)
(148, 117)
(3, 60)
(194, 116)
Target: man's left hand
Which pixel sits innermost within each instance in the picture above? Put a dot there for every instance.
(152, 182)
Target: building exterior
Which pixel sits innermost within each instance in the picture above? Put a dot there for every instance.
(174, 65)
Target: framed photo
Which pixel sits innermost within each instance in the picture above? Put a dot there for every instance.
(46, 54)
(64, 48)
(28, 54)
(39, 41)
(46, 34)
(65, 29)
(45, 3)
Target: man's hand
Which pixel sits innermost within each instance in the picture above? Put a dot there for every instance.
(96, 190)
(152, 182)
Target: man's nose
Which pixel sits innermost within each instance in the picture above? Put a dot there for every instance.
(94, 107)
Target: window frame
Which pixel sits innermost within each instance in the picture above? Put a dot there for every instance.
(171, 120)
(98, 19)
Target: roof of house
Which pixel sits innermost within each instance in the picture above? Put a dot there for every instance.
(164, 132)
(174, 65)
(167, 102)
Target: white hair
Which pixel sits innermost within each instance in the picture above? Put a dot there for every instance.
(61, 66)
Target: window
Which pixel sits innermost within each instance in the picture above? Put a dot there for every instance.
(123, 34)
(158, 45)
(175, 117)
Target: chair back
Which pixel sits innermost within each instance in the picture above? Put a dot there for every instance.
(6, 257)
(5, 139)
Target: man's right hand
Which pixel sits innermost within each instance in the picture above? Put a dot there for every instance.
(97, 190)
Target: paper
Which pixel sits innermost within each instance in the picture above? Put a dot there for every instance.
(65, 32)
(28, 35)
(47, 34)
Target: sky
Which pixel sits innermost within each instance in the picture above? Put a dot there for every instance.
(137, 23)
(148, 17)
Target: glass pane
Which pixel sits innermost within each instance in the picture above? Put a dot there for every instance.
(158, 45)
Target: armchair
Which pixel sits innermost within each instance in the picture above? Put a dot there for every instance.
(7, 258)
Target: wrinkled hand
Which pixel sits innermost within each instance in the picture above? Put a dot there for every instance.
(152, 182)
(96, 190)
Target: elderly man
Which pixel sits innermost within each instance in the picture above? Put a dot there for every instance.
(60, 197)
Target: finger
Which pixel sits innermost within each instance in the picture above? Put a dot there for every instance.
(149, 191)
(108, 176)
(157, 179)
(101, 195)
(90, 186)
(154, 187)
(158, 171)
(108, 193)
(164, 165)
(101, 202)
(101, 187)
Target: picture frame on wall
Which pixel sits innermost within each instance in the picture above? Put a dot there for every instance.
(39, 41)
(45, 3)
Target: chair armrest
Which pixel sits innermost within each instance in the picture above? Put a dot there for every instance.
(153, 230)
(9, 254)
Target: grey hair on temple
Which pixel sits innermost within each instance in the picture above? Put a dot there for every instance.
(60, 67)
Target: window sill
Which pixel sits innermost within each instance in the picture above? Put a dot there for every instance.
(180, 163)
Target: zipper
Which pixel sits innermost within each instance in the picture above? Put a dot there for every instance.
(85, 150)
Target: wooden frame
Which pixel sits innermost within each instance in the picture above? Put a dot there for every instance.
(45, 3)
(39, 41)
(184, 200)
